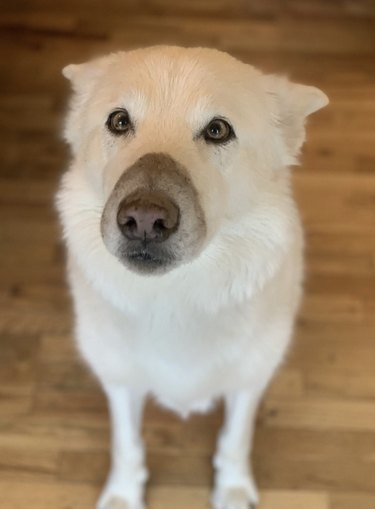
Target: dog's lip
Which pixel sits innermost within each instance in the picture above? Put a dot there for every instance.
(144, 256)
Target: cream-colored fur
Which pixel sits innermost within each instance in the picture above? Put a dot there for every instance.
(219, 325)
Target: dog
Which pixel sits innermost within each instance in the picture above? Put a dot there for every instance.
(185, 247)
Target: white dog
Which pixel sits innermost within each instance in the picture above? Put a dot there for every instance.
(184, 242)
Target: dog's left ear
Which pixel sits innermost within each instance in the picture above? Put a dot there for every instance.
(294, 103)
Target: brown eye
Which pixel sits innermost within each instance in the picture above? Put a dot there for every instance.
(218, 131)
(119, 122)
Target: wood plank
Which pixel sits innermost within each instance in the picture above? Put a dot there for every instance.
(36, 495)
(351, 500)
(322, 414)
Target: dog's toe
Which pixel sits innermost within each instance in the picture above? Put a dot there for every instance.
(233, 498)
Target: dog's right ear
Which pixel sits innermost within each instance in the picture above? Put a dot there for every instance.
(70, 70)
(83, 76)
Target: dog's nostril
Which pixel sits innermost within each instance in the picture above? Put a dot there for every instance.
(129, 226)
(159, 225)
(130, 222)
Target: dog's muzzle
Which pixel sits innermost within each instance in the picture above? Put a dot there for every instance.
(153, 220)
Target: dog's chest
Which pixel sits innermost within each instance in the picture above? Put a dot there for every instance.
(180, 336)
(181, 353)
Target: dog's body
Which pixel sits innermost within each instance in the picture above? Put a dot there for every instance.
(185, 246)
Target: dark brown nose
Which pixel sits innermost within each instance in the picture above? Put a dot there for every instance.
(147, 216)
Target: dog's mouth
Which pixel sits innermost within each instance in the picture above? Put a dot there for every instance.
(145, 260)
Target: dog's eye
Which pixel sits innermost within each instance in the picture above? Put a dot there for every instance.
(218, 131)
(119, 122)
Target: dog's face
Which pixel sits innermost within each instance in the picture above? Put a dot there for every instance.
(178, 145)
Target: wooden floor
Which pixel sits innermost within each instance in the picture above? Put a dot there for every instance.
(315, 437)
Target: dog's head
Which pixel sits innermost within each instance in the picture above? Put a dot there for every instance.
(178, 145)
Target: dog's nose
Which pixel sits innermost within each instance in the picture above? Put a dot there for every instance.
(148, 217)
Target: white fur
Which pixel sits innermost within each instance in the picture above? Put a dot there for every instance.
(220, 325)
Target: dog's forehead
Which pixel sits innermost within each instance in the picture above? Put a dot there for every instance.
(177, 66)
(194, 83)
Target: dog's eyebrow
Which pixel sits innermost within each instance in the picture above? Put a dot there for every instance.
(135, 102)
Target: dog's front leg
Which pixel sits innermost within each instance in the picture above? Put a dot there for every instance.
(124, 488)
(234, 484)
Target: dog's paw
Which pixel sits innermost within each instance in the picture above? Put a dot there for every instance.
(234, 498)
(236, 492)
(117, 502)
(115, 496)
(124, 488)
